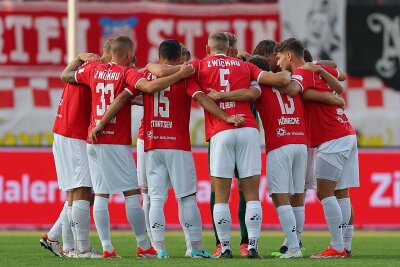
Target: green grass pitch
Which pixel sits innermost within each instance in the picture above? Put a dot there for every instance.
(369, 249)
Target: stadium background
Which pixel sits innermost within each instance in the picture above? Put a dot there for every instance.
(363, 37)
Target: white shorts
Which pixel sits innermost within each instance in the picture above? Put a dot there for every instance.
(337, 160)
(236, 147)
(286, 169)
(167, 167)
(311, 182)
(112, 167)
(141, 164)
(71, 161)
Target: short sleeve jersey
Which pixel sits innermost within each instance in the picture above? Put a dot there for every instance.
(223, 73)
(107, 81)
(73, 113)
(324, 123)
(167, 114)
(282, 117)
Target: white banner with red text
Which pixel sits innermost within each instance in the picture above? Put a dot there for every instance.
(29, 195)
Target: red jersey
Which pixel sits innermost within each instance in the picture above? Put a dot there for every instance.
(282, 117)
(73, 113)
(224, 73)
(107, 81)
(324, 123)
(167, 115)
(141, 130)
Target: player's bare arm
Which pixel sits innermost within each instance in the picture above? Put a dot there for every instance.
(277, 79)
(162, 83)
(342, 75)
(325, 98)
(68, 74)
(241, 95)
(332, 82)
(209, 105)
(243, 55)
(137, 101)
(112, 110)
(329, 63)
(162, 70)
(291, 89)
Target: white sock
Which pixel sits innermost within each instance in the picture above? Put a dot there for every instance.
(192, 221)
(157, 222)
(253, 222)
(345, 208)
(102, 222)
(146, 210)
(81, 220)
(182, 222)
(135, 215)
(56, 230)
(333, 217)
(223, 222)
(348, 237)
(288, 224)
(67, 235)
(299, 215)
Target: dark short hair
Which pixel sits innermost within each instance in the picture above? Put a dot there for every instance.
(170, 49)
(307, 56)
(231, 38)
(264, 48)
(260, 62)
(292, 45)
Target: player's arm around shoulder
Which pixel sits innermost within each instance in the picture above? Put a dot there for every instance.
(162, 70)
(160, 84)
(68, 74)
(332, 81)
(278, 79)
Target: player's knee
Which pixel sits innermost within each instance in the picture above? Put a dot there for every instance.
(189, 201)
(157, 202)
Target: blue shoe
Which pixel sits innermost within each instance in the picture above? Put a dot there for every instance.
(201, 254)
(162, 254)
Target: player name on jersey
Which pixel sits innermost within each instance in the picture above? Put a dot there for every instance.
(223, 63)
(161, 124)
(107, 75)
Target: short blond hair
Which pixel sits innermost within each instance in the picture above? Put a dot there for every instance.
(218, 41)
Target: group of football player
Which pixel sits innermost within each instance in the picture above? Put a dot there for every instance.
(310, 144)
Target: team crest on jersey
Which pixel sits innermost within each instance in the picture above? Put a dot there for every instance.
(339, 111)
(149, 135)
(111, 28)
(281, 131)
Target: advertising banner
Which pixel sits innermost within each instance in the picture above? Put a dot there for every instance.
(373, 41)
(34, 34)
(29, 195)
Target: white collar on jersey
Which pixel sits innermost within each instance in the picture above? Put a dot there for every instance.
(220, 54)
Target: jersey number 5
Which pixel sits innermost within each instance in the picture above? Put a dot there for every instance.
(160, 98)
(223, 81)
(106, 91)
(286, 108)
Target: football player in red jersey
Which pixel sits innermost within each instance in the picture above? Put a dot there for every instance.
(232, 147)
(329, 130)
(70, 134)
(110, 156)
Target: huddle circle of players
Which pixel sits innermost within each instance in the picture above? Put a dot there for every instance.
(310, 144)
